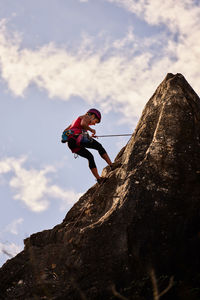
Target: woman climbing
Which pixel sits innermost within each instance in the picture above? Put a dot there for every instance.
(78, 139)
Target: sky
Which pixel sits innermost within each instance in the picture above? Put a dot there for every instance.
(58, 59)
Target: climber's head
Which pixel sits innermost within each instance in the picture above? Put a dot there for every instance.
(96, 115)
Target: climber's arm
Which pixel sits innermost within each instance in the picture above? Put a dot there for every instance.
(85, 121)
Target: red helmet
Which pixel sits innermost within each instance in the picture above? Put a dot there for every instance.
(96, 113)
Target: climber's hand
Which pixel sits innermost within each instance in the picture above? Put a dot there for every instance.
(93, 132)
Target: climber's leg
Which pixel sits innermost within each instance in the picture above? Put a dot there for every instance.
(88, 155)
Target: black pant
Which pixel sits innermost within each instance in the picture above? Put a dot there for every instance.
(92, 144)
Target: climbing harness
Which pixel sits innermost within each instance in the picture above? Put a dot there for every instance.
(67, 133)
(82, 137)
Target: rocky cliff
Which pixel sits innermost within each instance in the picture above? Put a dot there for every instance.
(136, 236)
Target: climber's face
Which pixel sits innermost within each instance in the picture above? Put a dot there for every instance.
(93, 120)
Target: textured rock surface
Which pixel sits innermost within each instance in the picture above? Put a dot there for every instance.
(146, 216)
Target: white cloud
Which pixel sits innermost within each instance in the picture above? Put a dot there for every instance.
(111, 82)
(9, 249)
(131, 5)
(12, 227)
(32, 186)
(182, 44)
(120, 75)
(67, 197)
(177, 15)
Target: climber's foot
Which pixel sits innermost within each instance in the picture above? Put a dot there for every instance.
(101, 180)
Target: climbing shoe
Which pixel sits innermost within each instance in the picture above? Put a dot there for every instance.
(101, 180)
